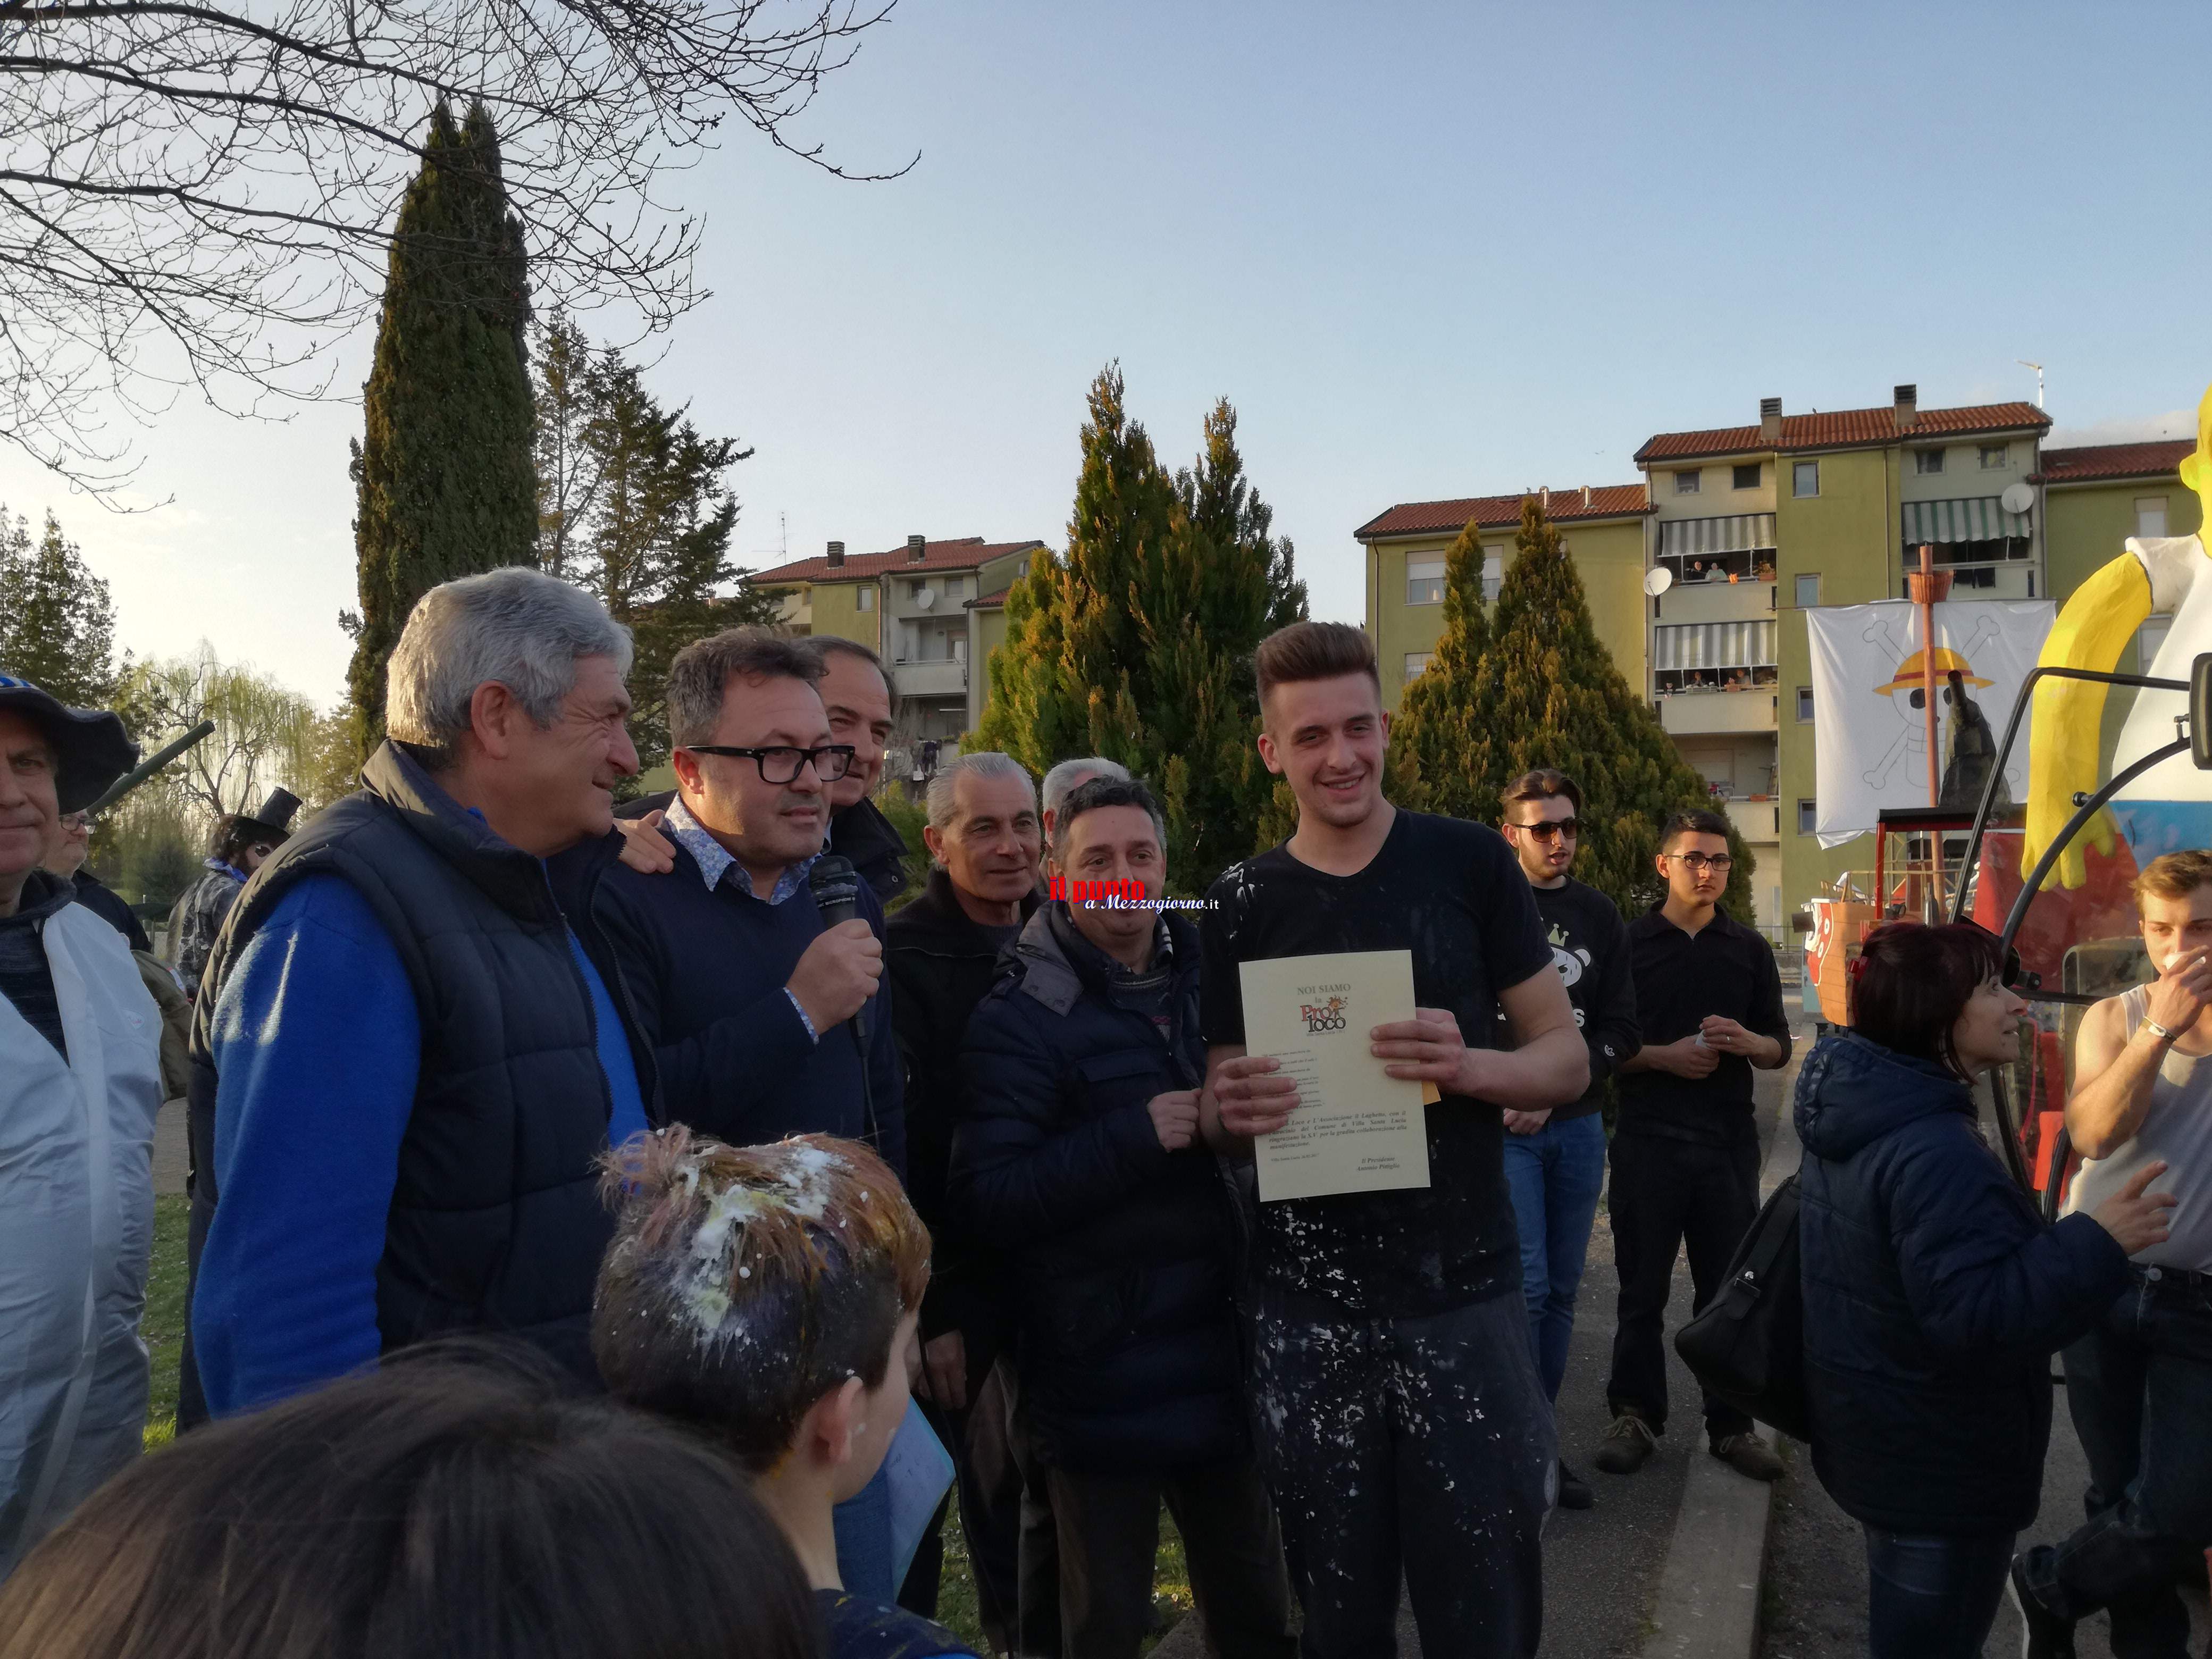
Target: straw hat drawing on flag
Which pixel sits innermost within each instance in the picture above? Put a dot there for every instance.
(1907, 694)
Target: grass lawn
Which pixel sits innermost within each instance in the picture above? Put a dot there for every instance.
(956, 1595)
(164, 1331)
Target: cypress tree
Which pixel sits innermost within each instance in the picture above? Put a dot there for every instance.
(1438, 733)
(1137, 644)
(1546, 693)
(444, 470)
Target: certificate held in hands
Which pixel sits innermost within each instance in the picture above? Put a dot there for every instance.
(1356, 1128)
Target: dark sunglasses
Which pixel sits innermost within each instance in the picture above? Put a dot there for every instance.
(780, 762)
(1571, 827)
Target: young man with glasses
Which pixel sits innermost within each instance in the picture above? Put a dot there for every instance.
(1686, 1151)
(749, 999)
(1555, 1159)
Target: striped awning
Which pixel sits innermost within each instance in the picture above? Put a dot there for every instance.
(1980, 518)
(1744, 532)
(1714, 645)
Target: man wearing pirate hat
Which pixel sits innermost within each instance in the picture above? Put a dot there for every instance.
(80, 1084)
(241, 841)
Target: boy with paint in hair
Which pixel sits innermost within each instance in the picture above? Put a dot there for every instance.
(766, 1296)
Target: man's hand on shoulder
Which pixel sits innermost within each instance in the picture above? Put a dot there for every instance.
(646, 850)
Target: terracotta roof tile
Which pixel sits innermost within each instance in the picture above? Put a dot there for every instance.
(1840, 428)
(962, 553)
(1420, 517)
(2114, 460)
(990, 601)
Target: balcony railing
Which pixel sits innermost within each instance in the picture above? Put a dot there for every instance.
(1687, 713)
(939, 679)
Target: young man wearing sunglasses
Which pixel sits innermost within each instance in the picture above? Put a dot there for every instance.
(1555, 1159)
(1686, 1151)
(749, 1000)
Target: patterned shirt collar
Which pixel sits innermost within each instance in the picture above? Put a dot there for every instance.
(715, 860)
(225, 869)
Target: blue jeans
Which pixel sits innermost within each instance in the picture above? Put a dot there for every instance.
(2140, 1389)
(1933, 1597)
(1555, 1176)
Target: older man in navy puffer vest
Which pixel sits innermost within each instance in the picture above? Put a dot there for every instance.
(406, 1060)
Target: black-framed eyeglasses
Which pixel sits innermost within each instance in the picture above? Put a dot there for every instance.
(1571, 827)
(1719, 863)
(780, 762)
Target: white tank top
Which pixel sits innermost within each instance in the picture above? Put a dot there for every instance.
(2178, 1129)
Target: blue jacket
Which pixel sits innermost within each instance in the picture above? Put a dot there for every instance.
(1935, 1296)
(1122, 1254)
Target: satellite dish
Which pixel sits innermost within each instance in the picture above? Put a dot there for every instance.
(1658, 580)
(926, 598)
(2017, 498)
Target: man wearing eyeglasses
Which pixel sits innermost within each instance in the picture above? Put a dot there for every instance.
(749, 1000)
(1555, 1159)
(1686, 1151)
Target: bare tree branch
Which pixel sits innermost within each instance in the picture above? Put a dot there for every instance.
(199, 197)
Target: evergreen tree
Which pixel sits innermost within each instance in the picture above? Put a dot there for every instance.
(1138, 644)
(1546, 692)
(56, 621)
(633, 506)
(1437, 731)
(444, 471)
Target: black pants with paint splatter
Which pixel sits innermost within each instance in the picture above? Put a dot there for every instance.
(1421, 1444)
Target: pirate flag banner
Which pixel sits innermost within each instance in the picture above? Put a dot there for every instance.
(1869, 704)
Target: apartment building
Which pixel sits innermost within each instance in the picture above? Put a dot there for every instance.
(1826, 507)
(915, 606)
(1602, 525)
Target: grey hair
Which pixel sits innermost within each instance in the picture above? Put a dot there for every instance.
(515, 626)
(1110, 792)
(983, 763)
(1065, 777)
(700, 676)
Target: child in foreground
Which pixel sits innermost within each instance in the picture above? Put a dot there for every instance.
(766, 1296)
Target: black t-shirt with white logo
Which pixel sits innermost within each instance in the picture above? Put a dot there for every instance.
(1452, 894)
(1589, 947)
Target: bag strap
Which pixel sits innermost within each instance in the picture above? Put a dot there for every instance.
(1776, 1227)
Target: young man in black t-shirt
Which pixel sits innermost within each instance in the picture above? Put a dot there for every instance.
(1395, 1399)
(1686, 1151)
(1555, 1160)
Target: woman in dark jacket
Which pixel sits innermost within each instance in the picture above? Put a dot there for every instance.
(1934, 1296)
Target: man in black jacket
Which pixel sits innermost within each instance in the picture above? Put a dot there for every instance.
(1686, 1151)
(1555, 1159)
(1079, 1156)
(857, 697)
(407, 1061)
(942, 952)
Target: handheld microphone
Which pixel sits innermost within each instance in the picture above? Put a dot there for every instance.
(837, 888)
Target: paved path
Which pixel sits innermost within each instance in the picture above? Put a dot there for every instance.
(169, 1153)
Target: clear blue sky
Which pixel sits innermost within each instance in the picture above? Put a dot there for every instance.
(1427, 251)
